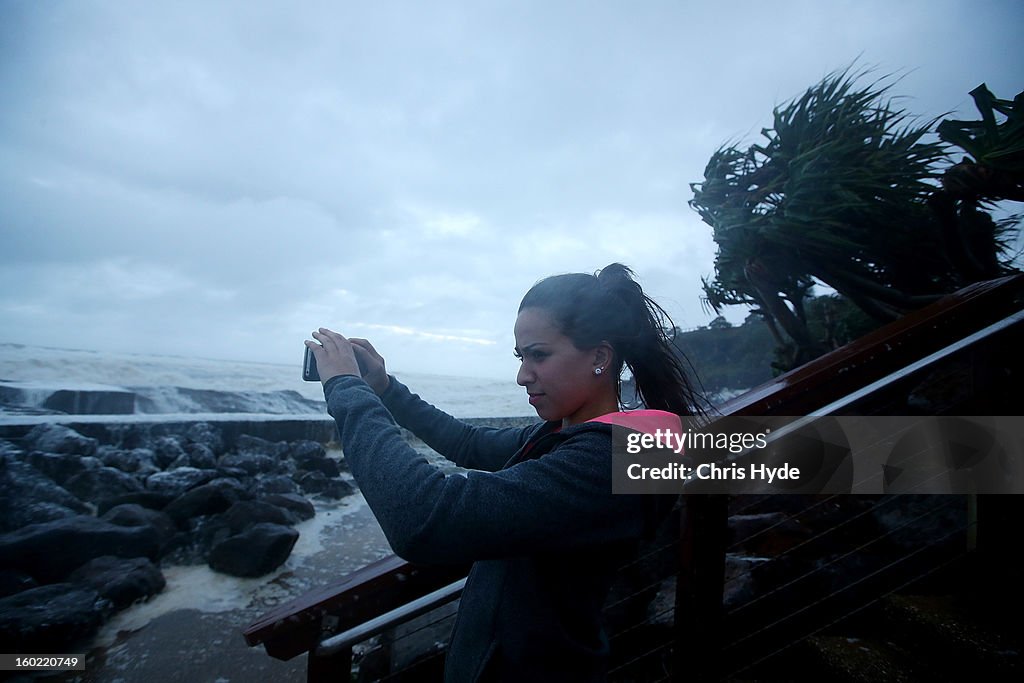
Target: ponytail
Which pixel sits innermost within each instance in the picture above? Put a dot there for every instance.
(611, 307)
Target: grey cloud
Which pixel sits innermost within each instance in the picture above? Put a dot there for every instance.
(218, 177)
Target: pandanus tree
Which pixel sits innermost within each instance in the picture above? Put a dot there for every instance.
(840, 192)
(994, 171)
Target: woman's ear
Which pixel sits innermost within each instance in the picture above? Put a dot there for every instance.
(603, 356)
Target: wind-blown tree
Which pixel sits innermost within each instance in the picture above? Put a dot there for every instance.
(839, 194)
(994, 171)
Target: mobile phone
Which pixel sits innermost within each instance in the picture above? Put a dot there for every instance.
(309, 371)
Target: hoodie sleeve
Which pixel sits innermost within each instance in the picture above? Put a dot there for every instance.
(554, 503)
(478, 448)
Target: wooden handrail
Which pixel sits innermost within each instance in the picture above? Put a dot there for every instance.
(298, 626)
(882, 351)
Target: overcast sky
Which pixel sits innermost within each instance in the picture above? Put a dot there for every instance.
(218, 179)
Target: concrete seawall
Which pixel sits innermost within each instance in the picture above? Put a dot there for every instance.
(83, 400)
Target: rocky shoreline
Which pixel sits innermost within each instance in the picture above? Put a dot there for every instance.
(93, 513)
(85, 524)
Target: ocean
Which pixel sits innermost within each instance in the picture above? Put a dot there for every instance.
(192, 629)
(177, 386)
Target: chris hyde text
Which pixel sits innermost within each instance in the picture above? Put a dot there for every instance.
(753, 471)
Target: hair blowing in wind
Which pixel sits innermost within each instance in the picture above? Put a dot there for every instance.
(610, 306)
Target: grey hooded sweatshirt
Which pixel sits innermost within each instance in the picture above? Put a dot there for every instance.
(535, 515)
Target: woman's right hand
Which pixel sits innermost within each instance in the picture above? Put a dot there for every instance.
(371, 365)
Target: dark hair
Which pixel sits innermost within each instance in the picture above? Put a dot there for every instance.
(611, 307)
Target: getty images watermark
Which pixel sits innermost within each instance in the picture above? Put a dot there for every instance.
(862, 455)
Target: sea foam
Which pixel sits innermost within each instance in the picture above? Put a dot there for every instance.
(177, 385)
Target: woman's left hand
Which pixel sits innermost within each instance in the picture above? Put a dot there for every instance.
(334, 355)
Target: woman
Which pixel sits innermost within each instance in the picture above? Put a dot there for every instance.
(535, 513)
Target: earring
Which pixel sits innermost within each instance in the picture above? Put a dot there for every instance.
(598, 371)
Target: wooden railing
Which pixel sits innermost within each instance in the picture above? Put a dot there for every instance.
(888, 357)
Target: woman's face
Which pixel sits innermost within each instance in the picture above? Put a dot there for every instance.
(559, 377)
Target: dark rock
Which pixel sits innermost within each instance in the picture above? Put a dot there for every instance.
(138, 461)
(129, 435)
(50, 618)
(167, 450)
(179, 480)
(153, 500)
(256, 551)
(208, 499)
(203, 433)
(253, 445)
(48, 552)
(121, 581)
(184, 550)
(131, 515)
(36, 512)
(201, 456)
(12, 582)
(63, 466)
(103, 482)
(337, 489)
(181, 461)
(55, 438)
(311, 456)
(293, 502)
(235, 485)
(274, 483)
(202, 535)
(245, 514)
(319, 463)
(29, 497)
(251, 463)
(306, 449)
(313, 482)
(233, 472)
